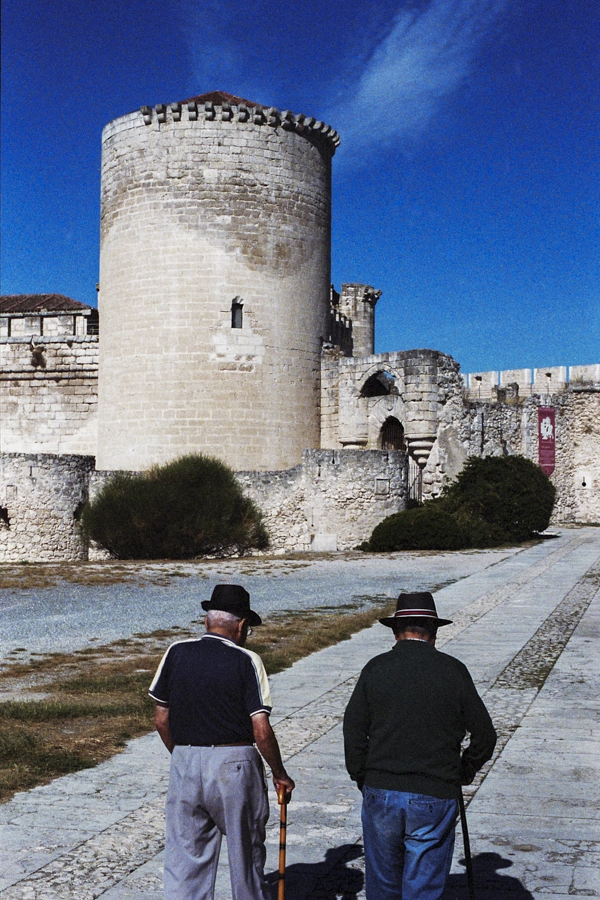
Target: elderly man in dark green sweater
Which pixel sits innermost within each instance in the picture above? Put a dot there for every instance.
(403, 729)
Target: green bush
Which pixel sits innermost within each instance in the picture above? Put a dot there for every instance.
(424, 528)
(188, 508)
(499, 499)
(495, 500)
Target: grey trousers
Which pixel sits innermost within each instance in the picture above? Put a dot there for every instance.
(215, 791)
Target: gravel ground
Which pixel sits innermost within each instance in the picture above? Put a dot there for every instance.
(69, 616)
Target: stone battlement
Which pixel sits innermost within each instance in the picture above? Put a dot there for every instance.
(192, 110)
(511, 384)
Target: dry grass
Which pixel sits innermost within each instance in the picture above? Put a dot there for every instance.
(28, 576)
(83, 707)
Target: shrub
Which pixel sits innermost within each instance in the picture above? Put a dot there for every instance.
(426, 527)
(495, 500)
(190, 507)
(499, 499)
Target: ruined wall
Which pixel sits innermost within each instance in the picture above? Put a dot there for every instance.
(415, 387)
(447, 417)
(509, 425)
(202, 204)
(41, 496)
(49, 394)
(332, 501)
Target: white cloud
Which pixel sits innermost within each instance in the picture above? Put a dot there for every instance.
(427, 54)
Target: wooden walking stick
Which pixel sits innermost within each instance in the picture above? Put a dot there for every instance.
(467, 846)
(283, 802)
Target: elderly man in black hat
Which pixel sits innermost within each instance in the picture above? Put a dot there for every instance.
(403, 729)
(212, 713)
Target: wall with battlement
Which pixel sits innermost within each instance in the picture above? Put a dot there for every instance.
(507, 425)
(524, 382)
(204, 204)
(49, 394)
(445, 421)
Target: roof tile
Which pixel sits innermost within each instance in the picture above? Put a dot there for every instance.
(32, 303)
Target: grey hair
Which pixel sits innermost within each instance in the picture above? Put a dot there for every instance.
(221, 619)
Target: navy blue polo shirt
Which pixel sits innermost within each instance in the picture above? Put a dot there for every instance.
(212, 688)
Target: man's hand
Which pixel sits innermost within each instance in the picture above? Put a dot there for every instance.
(287, 783)
(467, 771)
(269, 749)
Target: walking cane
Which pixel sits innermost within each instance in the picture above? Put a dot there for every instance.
(282, 800)
(467, 846)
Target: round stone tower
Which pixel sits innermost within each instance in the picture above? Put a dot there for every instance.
(214, 283)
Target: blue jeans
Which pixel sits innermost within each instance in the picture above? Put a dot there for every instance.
(409, 839)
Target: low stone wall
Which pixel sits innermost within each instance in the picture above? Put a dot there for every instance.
(332, 501)
(41, 496)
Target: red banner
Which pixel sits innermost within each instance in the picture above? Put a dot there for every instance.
(546, 439)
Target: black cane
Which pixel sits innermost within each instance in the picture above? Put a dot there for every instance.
(467, 845)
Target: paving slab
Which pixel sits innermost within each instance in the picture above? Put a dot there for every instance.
(527, 625)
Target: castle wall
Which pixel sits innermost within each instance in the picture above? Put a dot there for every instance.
(447, 418)
(507, 427)
(332, 501)
(418, 385)
(49, 394)
(41, 496)
(201, 207)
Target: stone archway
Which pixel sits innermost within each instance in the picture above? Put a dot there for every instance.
(379, 384)
(391, 435)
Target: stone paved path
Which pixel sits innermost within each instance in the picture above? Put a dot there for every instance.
(527, 627)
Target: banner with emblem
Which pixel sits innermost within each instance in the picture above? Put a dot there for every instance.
(546, 439)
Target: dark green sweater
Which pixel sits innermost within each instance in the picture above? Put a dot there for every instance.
(406, 719)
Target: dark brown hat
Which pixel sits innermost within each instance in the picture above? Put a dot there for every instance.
(415, 606)
(234, 599)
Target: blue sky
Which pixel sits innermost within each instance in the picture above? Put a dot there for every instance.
(465, 186)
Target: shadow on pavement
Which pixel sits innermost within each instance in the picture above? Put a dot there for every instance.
(334, 878)
(489, 883)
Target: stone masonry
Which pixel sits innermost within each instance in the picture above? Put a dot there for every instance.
(214, 283)
(48, 374)
(332, 501)
(49, 394)
(41, 496)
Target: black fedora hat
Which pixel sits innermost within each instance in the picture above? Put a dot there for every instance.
(234, 599)
(420, 605)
